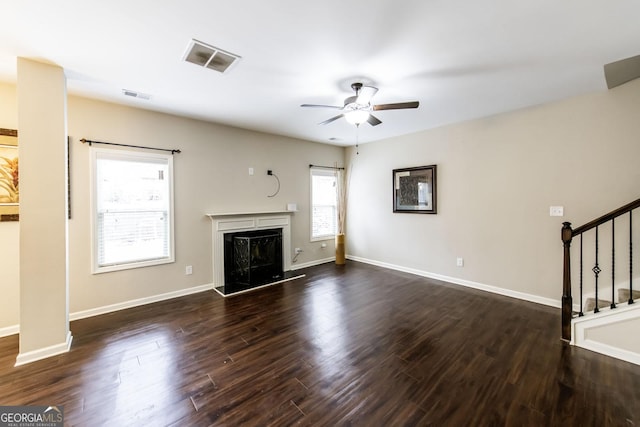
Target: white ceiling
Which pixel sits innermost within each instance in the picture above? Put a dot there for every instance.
(460, 59)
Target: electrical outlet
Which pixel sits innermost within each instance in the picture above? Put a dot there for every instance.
(188, 270)
(460, 262)
(250, 171)
(298, 250)
(556, 211)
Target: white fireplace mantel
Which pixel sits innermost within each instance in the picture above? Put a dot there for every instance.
(234, 222)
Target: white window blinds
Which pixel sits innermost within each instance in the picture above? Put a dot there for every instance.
(323, 204)
(132, 208)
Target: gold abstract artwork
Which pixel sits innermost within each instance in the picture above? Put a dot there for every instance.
(9, 175)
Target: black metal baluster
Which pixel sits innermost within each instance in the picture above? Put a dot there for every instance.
(613, 263)
(581, 292)
(596, 271)
(630, 259)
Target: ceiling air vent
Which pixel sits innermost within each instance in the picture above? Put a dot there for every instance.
(210, 57)
(623, 71)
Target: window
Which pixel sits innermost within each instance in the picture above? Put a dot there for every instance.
(132, 209)
(323, 204)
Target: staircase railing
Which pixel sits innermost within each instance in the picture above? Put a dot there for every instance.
(567, 235)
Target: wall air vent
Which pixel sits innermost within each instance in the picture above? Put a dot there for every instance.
(134, 94)
(209, 57)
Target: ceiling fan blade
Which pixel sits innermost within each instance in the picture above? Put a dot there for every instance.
(365, 94)
(332, 119)
(373, 120)
(321, 106)
(396, 106)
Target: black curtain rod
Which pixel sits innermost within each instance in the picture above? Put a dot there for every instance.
(326, 167)
(88, 141)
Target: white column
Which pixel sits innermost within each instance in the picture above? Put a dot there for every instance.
(42, 142)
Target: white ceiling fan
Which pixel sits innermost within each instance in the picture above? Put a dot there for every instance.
(357, 108)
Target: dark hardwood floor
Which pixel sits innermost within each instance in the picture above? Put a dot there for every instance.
(352, 345)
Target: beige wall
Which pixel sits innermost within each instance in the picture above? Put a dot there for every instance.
(497, 178)
(211, 175)
(620, 335)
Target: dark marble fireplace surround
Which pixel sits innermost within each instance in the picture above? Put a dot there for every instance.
(251, 250)
(252, 258)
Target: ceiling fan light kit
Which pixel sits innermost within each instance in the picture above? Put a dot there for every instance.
(356, 117)
(357, 108)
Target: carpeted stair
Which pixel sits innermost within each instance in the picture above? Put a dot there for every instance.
(623, 296)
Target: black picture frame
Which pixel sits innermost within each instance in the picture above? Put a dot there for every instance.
(415, 190)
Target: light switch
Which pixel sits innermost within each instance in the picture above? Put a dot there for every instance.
(250, 171)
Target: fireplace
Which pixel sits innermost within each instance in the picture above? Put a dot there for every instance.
(251, 231)
(252, 258)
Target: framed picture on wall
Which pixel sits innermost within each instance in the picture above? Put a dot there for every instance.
(9, 177)
(414, 190)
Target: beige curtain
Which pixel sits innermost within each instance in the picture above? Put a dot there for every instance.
(341, 193)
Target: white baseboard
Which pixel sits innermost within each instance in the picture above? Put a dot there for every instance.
(462, 282)
(43, 353)
(9, 330)
(607, 350)
(138, 302)
(15, 329)
(312, 263)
